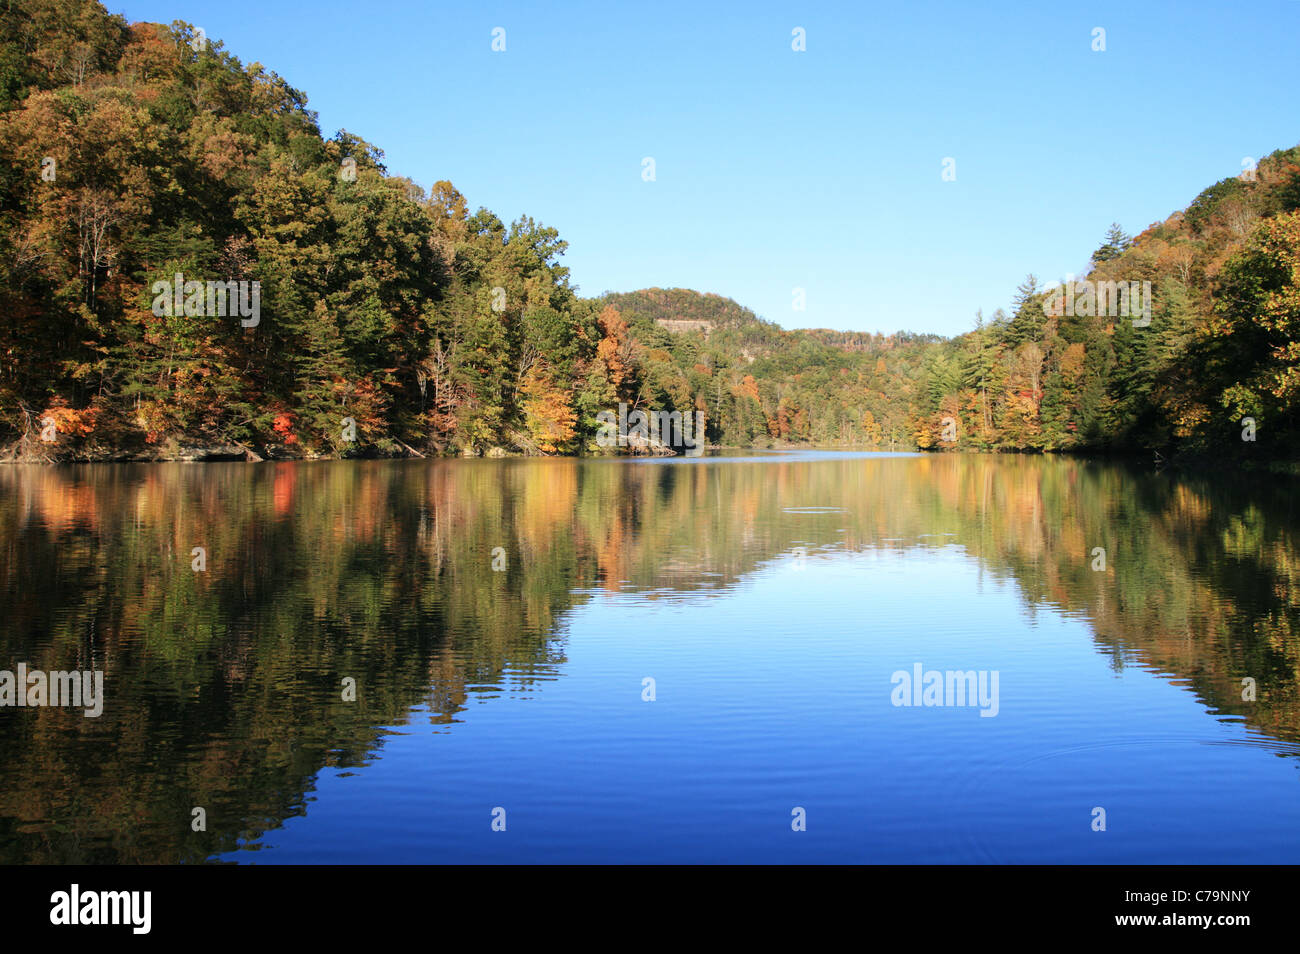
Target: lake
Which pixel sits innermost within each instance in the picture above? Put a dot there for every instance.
(781, 657)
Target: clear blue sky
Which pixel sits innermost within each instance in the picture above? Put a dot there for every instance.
(779, 170)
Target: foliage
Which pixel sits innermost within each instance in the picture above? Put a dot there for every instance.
(130, 154)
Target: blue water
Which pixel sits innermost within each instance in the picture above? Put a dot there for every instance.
(776, 694)
(499, 620)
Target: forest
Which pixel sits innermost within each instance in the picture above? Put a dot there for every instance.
(394, 321)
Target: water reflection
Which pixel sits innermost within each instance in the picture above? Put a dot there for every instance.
(439, 586)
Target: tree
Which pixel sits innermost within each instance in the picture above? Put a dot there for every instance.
(1117, 241)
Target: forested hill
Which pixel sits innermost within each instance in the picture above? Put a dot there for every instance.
(1209, 364)
(187, 262)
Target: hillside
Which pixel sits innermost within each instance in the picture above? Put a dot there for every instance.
(189, 266)
(1209, 367)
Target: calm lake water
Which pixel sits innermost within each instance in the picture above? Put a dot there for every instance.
(499, 620)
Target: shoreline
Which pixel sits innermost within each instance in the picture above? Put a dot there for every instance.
(235, 454)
